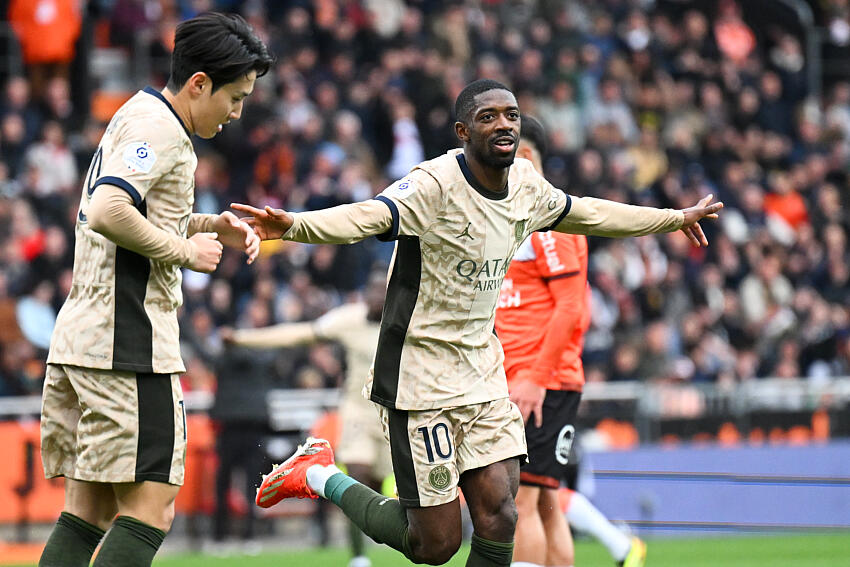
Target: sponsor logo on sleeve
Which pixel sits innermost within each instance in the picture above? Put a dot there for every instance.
(139, 156)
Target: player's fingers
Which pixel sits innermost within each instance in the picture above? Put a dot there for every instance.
(246, 209)
(538, 416)
(699, 234)
(690, 236)
(276, 214)
(705, 200)
(711, 210)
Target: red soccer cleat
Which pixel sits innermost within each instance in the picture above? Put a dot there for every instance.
(289, 480)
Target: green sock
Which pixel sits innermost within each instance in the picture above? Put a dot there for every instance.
(381, 518)
(356, 540)
(487, 553)
(71, 543)
(130, 543)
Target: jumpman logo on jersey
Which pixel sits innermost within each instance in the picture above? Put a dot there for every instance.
(466, 233)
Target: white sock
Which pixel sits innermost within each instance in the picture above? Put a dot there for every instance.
(584, 516)
(318, 475)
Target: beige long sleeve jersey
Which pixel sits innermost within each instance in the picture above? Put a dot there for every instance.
(135, 213)
(455, 241)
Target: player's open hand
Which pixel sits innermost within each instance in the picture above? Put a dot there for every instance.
(693, 215)
(207, 252)
(528, 396)
(237, 234)
(267, 222)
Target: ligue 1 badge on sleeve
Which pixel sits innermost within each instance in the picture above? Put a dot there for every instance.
(139, 156)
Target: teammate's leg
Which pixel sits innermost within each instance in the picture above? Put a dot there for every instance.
(145, 513)
(530, 546)
(357, 541)
(89, 510)
(490, 492)
(559, 550)
(584, 516)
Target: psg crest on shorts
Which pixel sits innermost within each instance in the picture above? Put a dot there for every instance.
(440, 477)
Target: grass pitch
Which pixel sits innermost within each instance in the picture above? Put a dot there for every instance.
(787, 550)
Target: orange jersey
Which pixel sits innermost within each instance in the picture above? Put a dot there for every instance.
(544, 310)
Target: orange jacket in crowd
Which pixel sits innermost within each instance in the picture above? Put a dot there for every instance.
(46, 29)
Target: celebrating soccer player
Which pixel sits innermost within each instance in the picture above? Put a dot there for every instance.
(438, 374)
(113, 422)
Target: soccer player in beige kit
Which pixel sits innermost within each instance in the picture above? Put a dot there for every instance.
(438, 373)
(113, 422)
(362, 448)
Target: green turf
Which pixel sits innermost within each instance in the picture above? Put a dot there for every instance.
(786, 550)
(813, 550)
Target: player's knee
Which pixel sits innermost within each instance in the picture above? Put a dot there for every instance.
(498, 520)
(526, 504)
(167, 517)
(436, 550)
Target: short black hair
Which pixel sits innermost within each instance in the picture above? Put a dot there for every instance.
(223, 46)
(465, 103)
(533, 131)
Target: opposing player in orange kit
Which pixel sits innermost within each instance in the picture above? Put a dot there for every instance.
(543, 314)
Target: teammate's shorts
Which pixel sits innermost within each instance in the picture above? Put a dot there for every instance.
(549, 445)
(362, 441)
(432, 448)
(112, 426)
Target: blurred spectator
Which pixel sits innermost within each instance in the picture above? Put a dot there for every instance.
(47, 31)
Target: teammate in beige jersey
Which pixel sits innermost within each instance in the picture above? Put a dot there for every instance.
(113, 422)
(362, 446)
(438, 374)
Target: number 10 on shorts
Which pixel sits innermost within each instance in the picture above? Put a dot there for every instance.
(437, 440)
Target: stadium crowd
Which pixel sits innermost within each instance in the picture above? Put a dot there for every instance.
(646, 102)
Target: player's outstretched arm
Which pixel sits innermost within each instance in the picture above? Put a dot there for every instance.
(276, 336)
(601, 217)
(337, 225)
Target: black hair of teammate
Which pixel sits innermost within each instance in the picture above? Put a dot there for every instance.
(533, 131)
(223, 46)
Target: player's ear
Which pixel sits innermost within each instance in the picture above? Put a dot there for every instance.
(199, 83)
(461, 131)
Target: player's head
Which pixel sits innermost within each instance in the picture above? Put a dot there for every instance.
(488, 122)
(216, 59)
(532, 142)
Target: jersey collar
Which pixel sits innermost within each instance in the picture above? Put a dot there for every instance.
(475, 184)
(153, 92)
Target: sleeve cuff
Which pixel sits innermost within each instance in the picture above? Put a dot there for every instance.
(121, 183)
(392, 233)
(558, 220)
